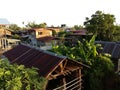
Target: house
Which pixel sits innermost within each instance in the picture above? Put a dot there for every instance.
(6, 42)
(77, 35)
(46, 42)
(3, 37)
(4, 23)
(112, 48)
(61, 72)
(4, 32)
(40, 32)
(34, 36)
(78, 32)
(56, 29)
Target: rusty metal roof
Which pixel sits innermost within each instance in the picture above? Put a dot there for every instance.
(29, 56)
(46, 38)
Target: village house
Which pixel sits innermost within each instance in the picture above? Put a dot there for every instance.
(45, 43)
(3, 37)
(61, 72)
(40, 32)
(6, 42)
(56, 29)
(32, 36)
(77, 35)
(41, 37)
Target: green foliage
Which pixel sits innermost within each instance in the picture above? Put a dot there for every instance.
(16, 36)
(116, 80)
(34, 25)
(86, 52)
(83, 51)
(102, 24)
(14, 27)
(116, 33)
(99, 72)
(54, 33)
(62, 34)
(77, 27)
(17, 77)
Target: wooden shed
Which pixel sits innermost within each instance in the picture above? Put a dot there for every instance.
(61, 73)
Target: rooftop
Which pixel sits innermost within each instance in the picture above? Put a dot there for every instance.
(29, 56)
(112, 48)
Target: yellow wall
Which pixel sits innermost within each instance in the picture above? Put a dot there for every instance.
(4, 31)
(43, 32)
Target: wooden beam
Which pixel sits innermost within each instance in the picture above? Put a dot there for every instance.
(61, 67)
(65, 63)
(65, 72)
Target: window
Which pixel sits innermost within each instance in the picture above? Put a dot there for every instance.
(39, 33)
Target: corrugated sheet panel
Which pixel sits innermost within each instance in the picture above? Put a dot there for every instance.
(112, 48)
(109, 47)
(32, 57)
(116, 51)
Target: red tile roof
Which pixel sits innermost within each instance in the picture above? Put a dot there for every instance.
(29, 57)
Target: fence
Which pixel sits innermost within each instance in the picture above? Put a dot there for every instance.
(74, 84)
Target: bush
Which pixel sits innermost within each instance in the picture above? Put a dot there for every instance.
(17, 77)
(101, 70)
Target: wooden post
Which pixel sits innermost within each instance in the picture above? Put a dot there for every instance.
(64, 83)
(80, 79)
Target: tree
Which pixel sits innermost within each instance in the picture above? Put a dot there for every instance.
(116, 33)
(34, 25)
(101, 67)
(42, 25)
(14, 27)
(102, 24)
(54, 33)
(17, 77)
(77, 27)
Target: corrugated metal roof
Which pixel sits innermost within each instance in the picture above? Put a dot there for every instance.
(79, 32)
(112, 48)
(29, 57)
(116, 51)
(45, 39)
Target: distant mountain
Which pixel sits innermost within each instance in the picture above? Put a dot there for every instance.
(4, 21)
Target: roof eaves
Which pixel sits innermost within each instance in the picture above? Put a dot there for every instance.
(80, 63)
(55, 67)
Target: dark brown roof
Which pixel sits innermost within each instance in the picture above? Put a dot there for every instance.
(79, 32)
(29, 57)
(112, 48)
(45, 39)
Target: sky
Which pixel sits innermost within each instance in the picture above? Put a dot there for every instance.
(56, 12)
